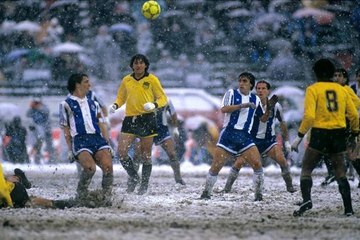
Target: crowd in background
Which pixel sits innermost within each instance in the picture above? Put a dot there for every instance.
(193, 43)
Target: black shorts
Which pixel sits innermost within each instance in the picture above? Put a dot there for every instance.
(328, 140)
(19, 195)
(141, 126)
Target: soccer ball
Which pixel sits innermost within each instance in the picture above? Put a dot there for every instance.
(151, 9)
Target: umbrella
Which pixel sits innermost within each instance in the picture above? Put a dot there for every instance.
(193, 123)
(121, 27)
(289, 91)
(270, 18)
(190, 2)
(228, 5)
(27, 26)
(239, 12)
(60, 3)
(24, 52)
(68, 47)
(173, 13)
(321, 16)
(8, 111)
(16, 54)
(279, 44)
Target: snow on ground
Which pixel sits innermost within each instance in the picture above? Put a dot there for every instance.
(168, 211)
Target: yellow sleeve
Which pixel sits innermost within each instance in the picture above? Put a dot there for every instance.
(353, 96)
(309, 111)
(5, 189)
(121, 94)
(352, 115)
(159, 93)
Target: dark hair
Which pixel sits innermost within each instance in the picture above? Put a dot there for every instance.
(324, 69)
(73, 80)
(249, 76)
(344, 73)
(357, 72)
(140, 57)
(268, 86)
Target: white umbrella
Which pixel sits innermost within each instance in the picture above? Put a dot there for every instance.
(193, 123)
(121, 27)
(228, 5)
(289, 91)
(239, 12)
(8, 111)
(321, 16)
(68, 47)
(173, 13)
(60, 3)
(27, 26)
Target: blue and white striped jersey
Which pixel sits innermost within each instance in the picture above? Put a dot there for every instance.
(91, 95)
(241, 119)
(81, 115)
(266, 130)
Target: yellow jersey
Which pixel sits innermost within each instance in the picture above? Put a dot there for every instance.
(353, 96)
(326, 105)
(5, 190)
(135, 93)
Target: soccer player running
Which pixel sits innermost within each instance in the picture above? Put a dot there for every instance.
(326, 106)
(239, 106)
(142, 93)
(263, 132)
(86, 137)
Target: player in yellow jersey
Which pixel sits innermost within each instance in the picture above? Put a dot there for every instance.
(326, 105)
(142, 93)
(341, 76)
(13, 193)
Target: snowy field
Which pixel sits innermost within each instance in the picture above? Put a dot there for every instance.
(170, 212)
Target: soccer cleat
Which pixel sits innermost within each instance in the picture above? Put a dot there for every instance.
(22, 178)
(303, 208)
(290, 189)
(329, 179)
(258, 197)
(349, 213)
(181, 182)
(131, 183)
(205, 195)
(143, 188)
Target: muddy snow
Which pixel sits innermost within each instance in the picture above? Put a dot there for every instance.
(169, 211)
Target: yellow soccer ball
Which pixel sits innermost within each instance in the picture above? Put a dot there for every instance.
(151, 9)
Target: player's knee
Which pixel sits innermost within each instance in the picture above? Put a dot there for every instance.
(90, 169)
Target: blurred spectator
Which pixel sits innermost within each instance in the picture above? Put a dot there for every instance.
(15, 146)
(41, 129)
(65, 64)
(285, 67)
(356, 86)
(106, 55)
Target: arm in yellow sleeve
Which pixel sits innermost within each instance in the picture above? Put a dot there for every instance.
(121, 95)
(5, 189)
(160, 95)
(309, 112)
(353, 96)
(352, 115)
